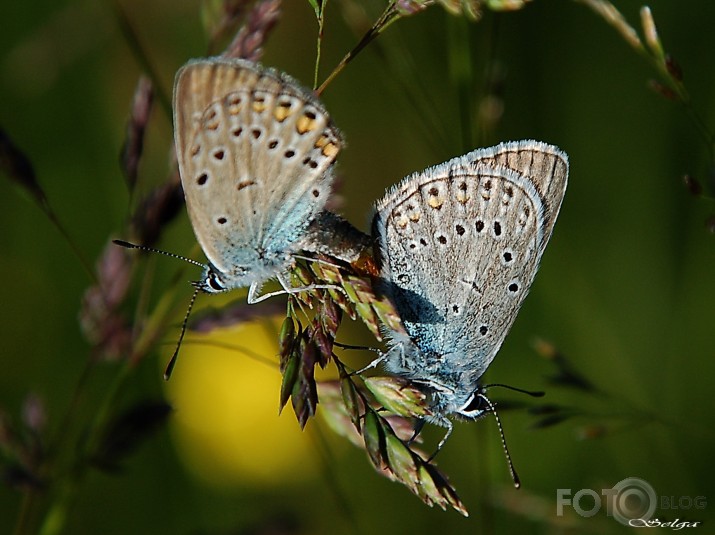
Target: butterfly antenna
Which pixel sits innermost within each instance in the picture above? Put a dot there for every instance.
(172, 362)
(532, 393)
(512, 470)
(129, 245)
(449, 425)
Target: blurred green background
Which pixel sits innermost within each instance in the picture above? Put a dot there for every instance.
(625, 292)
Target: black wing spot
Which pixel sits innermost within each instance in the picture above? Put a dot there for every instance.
(202, 179)
(245, 183)
(233, 99)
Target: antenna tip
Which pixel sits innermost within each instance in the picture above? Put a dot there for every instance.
(123, 243)
(170, 367)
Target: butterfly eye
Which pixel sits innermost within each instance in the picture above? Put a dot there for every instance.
(214, 283)
(474, 407)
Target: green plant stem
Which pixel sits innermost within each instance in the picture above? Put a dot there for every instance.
(390, 15)
(156, 324)
(73, 245)
(23, 516)
(327, 463)
(654, 55)
(320, 14)
(54, 447)
(462, 73)
(69, 483)
(132, 40)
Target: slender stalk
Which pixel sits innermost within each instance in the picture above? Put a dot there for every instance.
(320, 14)
(132, 40)
(390, 15)
(462, 74)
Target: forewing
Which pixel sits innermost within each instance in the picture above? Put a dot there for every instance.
(546, 166)
(255, 153)
(459, 246)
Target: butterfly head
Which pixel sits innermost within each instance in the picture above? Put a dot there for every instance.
(451, 402)
(214, 281)
(451, 392)
(475, 406)
(210, 282)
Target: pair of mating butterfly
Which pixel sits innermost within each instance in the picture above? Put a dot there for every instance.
(458, 244)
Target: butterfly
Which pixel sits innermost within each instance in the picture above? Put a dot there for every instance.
(458, 246)
(256, 154)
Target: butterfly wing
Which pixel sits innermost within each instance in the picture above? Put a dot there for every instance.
(459, 245)
(255, 153)
(546, 166)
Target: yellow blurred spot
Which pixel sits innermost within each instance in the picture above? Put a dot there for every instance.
(435, 202)
(226, 424)
(305, 124)
(330, 150)
(282, 112)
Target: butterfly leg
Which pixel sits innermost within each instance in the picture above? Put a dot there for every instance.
(255, 287)
(290, 290)
(449, 425)
(372, 364)
(253, 290)
(383, 358)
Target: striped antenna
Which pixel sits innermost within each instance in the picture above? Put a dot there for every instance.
(172, 362)
(537, 394)
(512, 470)
(129, 245)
